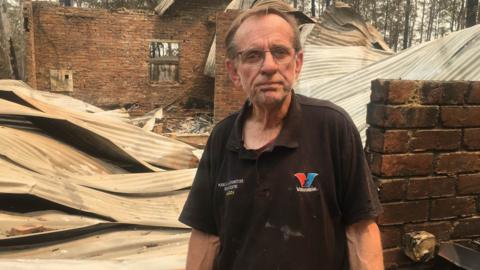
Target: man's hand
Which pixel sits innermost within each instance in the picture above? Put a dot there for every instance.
(202, 250)
(364, 246)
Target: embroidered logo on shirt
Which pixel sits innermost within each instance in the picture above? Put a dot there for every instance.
(229, 187)
(306, 182)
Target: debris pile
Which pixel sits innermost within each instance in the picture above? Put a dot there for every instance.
(197, 124)
(73, 175)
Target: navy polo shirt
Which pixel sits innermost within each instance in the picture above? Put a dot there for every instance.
(287, 207)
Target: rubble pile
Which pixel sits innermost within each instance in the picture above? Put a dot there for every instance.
(73, 175)
(201, 123)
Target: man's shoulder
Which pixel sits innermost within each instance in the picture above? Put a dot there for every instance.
(320, 106)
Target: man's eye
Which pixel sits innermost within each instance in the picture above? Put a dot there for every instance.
(280, 53)
(252, 56)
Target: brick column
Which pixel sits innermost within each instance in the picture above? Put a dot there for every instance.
(227, 99)
(423, 146)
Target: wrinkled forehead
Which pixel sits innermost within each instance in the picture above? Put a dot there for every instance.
(259, 29)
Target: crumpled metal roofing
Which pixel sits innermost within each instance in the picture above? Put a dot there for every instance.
(454, 57)
(156, 263)
(127, 246)
(340, 25)
(50, 98)
(75, 165)
(160, 210)
(143, 145)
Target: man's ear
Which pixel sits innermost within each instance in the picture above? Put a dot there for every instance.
(233, 72)
(298, 64)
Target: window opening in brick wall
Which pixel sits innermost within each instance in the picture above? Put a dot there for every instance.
(164, 59)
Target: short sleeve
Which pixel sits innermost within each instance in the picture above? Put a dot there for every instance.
(360, 197)
(198, 211)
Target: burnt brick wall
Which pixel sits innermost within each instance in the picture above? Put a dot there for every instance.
(423, 146)
(108, 51)
(227, 98)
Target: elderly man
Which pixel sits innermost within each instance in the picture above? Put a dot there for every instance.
(283, 183)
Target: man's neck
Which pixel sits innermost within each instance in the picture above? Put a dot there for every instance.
(267, 118)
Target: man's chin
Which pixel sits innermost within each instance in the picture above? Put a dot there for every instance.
(270, 99)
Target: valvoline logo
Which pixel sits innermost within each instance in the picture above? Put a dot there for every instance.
(306, 182)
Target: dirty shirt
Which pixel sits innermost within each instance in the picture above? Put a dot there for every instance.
(287, 207)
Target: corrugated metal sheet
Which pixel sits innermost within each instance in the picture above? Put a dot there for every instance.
(50, 98)
(47, 156)
(108, 244)
(340, 25)
(163, 5)
(94, 143)
(146, 146)
(43, 221)
(157, 263)
(324, 63)
(454, 57)
(155, 210)
(139, 184)
(162, 263)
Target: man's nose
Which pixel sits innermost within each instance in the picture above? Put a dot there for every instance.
(269, 64)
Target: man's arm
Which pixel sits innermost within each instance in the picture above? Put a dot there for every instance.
(202, 250)
(364, 246)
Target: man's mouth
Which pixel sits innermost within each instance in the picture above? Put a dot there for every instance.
(268, 86)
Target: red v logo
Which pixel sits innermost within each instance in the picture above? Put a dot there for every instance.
(301, 177)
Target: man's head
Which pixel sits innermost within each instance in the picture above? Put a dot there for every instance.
(264, 55)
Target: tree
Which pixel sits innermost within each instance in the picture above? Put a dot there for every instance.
(313, 8)
(471, 18)
(406, 25)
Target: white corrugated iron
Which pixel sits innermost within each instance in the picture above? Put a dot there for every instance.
(454, 57)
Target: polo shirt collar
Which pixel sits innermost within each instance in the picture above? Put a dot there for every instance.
(289, 135)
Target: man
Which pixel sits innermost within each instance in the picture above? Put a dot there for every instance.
(282, 184)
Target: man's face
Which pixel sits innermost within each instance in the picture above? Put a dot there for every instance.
(268, 81)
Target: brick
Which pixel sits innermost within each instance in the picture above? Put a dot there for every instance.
(467, 227)
(428, 187)
(457, 116)
(402, 164)
(471, 138)
(392, 189)
(109, 60)
(402, 116)
(442, 230)
(391, 236)
(469, 184)
(394, 258)
(390, 141)
(403, 212)
(424, 140)
(443, 93)
(452, 207)
(458, 162)
(474, 93)
(379, 91)
(394, 91)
